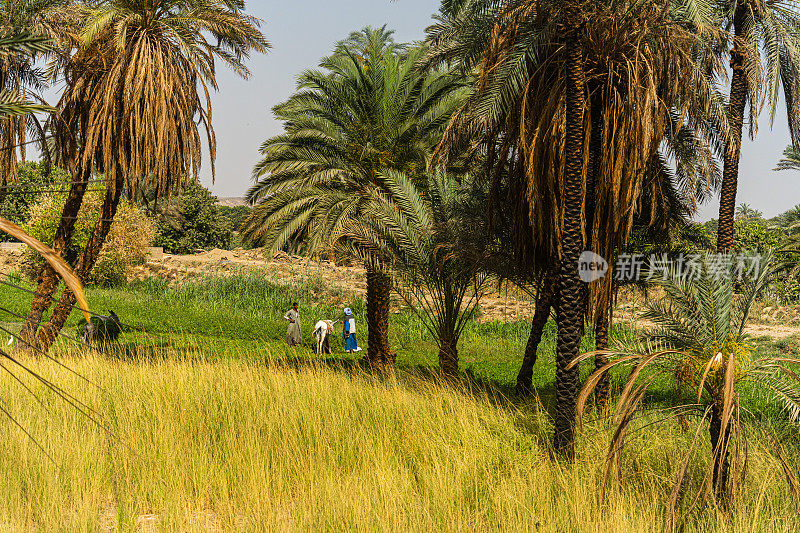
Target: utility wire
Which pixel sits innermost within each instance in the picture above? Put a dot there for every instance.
(7, 148)
(49, 183)
(50, 298)
(54, 191)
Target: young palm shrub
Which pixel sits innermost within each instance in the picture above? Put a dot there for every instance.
(699, 341)
(432, 239)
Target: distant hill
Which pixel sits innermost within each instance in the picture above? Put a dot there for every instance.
(232, 201)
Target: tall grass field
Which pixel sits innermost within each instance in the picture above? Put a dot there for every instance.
(197, 446)
(201, 419)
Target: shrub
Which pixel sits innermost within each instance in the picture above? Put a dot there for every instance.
(128, 241)
(235, 215)
(193, 223)
(17, 198)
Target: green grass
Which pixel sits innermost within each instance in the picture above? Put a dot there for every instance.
(241, 315)
(220, 316)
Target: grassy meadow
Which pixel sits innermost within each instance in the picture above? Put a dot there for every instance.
(212, 423)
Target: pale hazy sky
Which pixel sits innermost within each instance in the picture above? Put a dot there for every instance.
(302, 31)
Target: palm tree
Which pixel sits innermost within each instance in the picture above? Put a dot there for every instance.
(760, 29)
(369, 109)
(433, 239)
(542, 65)
(13, 105)
(138, 92)
(699, 339)
(791, 159)
(21, 78)
(745, 212)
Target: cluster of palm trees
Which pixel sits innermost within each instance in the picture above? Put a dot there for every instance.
(519, 134)
(574, 120)
(134, 109)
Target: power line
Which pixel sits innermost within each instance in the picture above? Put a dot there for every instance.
(65, 183)
(58, 217)
(55, 191)
(20, 145)
(50, 298)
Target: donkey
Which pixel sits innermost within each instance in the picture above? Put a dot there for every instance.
(323, 331)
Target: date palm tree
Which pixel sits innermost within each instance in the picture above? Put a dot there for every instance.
(764, 58)
(370, 108)
(21, 78)
(548, 72)
(745, 212)
(13, 105)
(138, 94)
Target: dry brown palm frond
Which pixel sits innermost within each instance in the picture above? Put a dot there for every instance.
(643, 78)
(139, 90)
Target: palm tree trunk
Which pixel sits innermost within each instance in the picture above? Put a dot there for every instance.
(601, 316)
(83, 268)
(730, 172)
(570, 311)
(544, 304)
(448, 355)
(48, 279)
(601, 328)
(719, 450)
(379, 286)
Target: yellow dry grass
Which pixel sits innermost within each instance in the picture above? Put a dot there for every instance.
(234, 446)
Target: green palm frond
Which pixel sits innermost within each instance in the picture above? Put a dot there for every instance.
(368, 107)
(12, 105)
(790, 161)
(30, 31)
(23, 43)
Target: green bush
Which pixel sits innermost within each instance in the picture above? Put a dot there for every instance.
(131, 235)
(754, 235)
(235, 215)
(194, 222)
(17, 198)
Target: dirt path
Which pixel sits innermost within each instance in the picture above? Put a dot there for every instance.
(756, 330)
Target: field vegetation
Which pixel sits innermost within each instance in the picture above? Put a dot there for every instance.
(534, 143)
(213, 422)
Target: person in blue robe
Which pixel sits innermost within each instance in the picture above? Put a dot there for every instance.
(349, 332)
